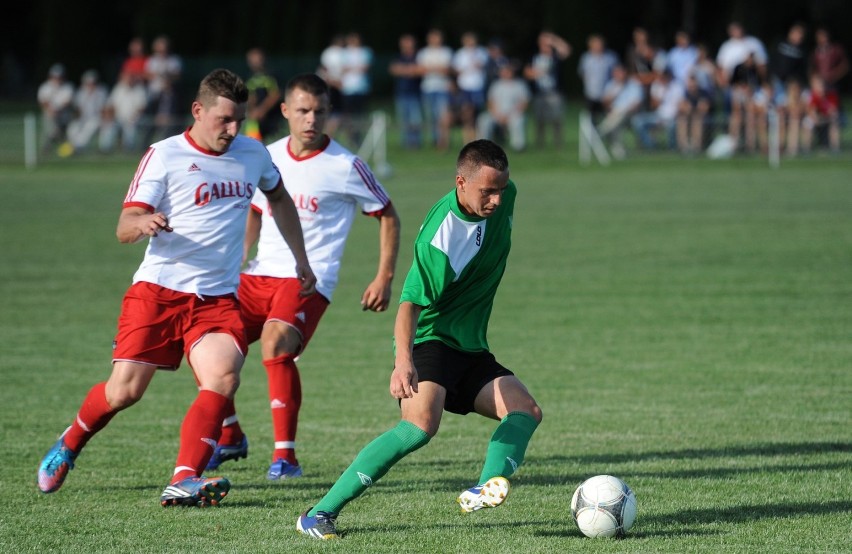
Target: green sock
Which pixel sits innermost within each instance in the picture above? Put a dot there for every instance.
(371, 464)
(508, 445)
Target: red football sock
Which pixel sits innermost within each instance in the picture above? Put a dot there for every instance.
(199, 433)
(93, 416)
(232, 433)
(285, 399)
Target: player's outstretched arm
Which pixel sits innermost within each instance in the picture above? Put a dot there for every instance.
(287, 219)
(403, 381)
(377, 295)
(136, 223)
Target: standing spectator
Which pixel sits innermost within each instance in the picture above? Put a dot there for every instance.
(830, 62)
(442, 358)
(469, 63)
(682, 57)
(545, 73)
(355, 86)
(125, 108)
(496, 59)
(666, 95)
(622, 98)
(330, 185)
(136, 60)
(89, 103)
(163, 70)
(595, 68)
(262, 116)
(822, 112)
(406, 91)
(459, 114)
(645, 60)
(55, 97)
(436, 64)
(508, 99)
(742, 66)
(790, 78)
(190, 198)
(331, 70)
(828, 59)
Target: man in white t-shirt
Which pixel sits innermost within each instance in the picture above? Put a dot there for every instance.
(190, 197)
(328, 184)
(435, 61)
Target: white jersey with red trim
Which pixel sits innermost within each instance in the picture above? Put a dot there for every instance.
(326, 187)
(206, 197)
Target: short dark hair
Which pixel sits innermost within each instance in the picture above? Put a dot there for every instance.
(480, 153)
(308, 82)
(224, 83)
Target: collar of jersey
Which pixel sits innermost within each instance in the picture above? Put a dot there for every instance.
(456, 209)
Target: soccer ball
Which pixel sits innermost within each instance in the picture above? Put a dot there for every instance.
(604, 506)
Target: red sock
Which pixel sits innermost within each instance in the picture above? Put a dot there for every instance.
(285, 399)
(232, 433)
(199, 433)
(93, 416)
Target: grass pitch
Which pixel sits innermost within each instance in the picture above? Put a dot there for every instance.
(684, 324)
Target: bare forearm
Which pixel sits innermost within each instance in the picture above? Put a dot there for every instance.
(388, 244)
(404, 331)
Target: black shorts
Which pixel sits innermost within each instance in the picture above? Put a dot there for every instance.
(462, 374)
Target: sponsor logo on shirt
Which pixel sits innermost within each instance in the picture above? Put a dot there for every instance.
(192, 168)
(209, 192)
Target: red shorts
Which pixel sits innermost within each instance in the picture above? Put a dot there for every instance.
(158, 326)
(264, 299)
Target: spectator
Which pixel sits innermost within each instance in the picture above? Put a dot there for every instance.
(124, 110)
(508, 99)
(544, 72)
(136, 60)
(459, 114)
(789, 79)
(595, 67)
(89, 103)
(406, 91)
(705, 71)
(331, 70)
(55, 97)
(469, 63)
(694, 109)
(496, 59)
(744, 82)
(828, 59)
(666, 95)
(822, 112)
(622, 98)
(736, 50)
(435, 61)
(645, 60)
(355, 86)
(741, 65)
(262, 115)
(163, 70)
(682, 57)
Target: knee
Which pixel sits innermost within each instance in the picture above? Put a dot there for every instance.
(120, 398)
(278, 340)
(535, 411)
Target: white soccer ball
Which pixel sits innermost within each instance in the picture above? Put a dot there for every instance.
(722, 148)
(604, 506)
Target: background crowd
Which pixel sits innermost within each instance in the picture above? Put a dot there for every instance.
(680, 95)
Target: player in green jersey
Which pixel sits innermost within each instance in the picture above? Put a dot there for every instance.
(442, 357)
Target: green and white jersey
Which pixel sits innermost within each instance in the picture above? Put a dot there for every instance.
(459, 261)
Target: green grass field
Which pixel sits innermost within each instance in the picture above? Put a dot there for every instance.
(685, 325)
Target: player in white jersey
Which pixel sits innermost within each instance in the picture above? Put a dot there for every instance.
(328, 184)
(189, 196)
